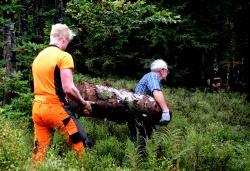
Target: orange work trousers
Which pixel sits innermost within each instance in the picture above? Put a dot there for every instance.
(47, 117)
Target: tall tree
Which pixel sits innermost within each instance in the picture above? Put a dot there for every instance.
(61, 13)
(9, 43)
(9, 39)
(38, 20)
(23, 19)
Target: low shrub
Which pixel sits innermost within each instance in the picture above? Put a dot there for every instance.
(208, 132)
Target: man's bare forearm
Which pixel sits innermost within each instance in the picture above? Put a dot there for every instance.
(75, 95)
(160, 99)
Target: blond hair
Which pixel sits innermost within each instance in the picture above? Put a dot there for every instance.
(60, 31)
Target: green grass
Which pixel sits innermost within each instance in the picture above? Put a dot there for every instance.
(208, 132)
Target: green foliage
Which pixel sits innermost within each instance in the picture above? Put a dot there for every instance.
(114, 34)
(166, 149)
(230, 108)
(20, 108)
(10, 8)
(13, 83)
(2, 85)
(14, 137)
(18, 83)
(20, 93)
(209, 153)
(123, 37)
(202, 136)
(25, 54)
(114, 82)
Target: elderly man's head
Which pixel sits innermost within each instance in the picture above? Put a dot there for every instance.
(161, 67)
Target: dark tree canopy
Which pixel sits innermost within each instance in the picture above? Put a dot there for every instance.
(121, 38)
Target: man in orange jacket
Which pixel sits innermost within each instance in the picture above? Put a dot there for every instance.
(52, 73)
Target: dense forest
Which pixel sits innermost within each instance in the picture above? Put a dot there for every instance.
(117, 40)
(199, 39)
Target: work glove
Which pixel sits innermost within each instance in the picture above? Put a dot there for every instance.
(165, 118)
(85, 110)
(88, 106)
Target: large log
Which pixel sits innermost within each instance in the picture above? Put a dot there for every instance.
(119, 105)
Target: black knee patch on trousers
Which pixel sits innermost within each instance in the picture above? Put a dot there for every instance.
(76, 137)
(80, 135)
(66, 121)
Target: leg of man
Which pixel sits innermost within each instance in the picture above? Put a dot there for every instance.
(142, 151)
(62, 120)
(42, 135)
(48, 116)
(132, 130)
(71, 132)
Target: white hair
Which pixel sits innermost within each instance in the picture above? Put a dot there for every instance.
(158, 64)
(59, 31)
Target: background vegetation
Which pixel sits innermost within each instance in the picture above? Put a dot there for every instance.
(209, 132)
(198, 39)
(117, 40)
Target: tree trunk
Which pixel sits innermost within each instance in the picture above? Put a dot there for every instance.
(8, 54)
(38, 20)
(9, 43)
(202, 67)
(119, 105)
(60, 7)
(24, 17)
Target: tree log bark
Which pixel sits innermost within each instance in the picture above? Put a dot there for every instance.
(119, 105)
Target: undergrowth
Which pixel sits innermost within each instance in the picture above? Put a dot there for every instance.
(209, 131)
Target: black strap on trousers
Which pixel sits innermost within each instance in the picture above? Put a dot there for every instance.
(81, 135)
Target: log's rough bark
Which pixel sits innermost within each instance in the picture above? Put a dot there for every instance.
(118, 105)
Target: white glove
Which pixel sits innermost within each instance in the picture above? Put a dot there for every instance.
(165, 118)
